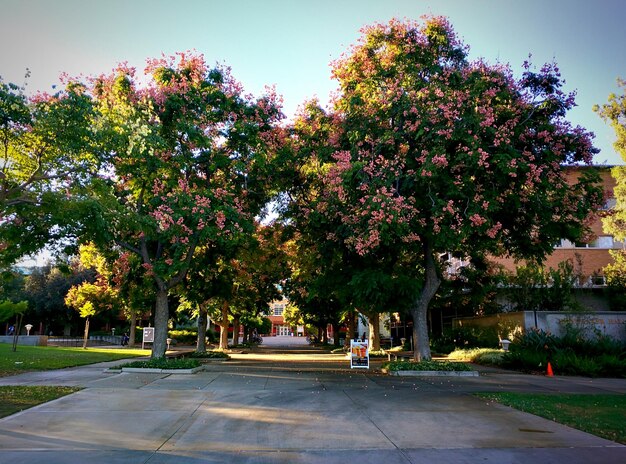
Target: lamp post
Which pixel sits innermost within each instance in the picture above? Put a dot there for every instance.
(28, 327)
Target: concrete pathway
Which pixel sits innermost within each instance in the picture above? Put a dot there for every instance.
(294, 408)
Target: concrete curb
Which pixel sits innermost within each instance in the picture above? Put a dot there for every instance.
(145, 370)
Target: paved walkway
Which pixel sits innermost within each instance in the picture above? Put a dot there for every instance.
(296, 407)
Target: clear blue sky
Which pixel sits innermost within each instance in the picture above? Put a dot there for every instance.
(290, 43)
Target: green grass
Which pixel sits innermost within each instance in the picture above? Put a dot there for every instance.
(601, 415)
(40, 358)
(17, 398)
(426, 366)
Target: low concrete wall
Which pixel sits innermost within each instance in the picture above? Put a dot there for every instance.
(30, 340)
(611, 323)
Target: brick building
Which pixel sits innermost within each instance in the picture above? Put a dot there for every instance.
(589, 258)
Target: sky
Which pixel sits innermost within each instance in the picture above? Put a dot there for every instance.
(290, 43)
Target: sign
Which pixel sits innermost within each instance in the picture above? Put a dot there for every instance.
(359, 355)
(148, 336)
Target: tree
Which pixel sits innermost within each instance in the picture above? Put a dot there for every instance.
(45, 289)
(614, 223)
(90, 298)
(188, 159)
(8, 309)
(46, 149)
(441, 155)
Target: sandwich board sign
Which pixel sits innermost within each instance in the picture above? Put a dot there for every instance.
(359, 355)
(148, 336)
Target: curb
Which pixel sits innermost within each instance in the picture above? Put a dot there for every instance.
(145, 370)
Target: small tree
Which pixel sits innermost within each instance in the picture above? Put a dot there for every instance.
(614, 112)
(8, 309)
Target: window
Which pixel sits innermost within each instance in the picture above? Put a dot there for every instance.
(278, 309)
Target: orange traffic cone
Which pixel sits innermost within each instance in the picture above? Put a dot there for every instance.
(550, 373)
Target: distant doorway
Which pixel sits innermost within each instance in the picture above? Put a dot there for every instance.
(284, 330)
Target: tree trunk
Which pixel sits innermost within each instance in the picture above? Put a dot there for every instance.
(320, 334)
(236, 331)
(374, 331)
(350, 318)
(245, 334)
(161, 316)
(336, 327)
(202, 321)
(419, 311)
(133, 329)
(224, 327)
(86, 334)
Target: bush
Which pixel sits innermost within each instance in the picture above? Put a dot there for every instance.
(210, 355)
(465, 337)
(572, 354)
(184, 337)
(485, 356)
(426, 366)
(164, 363)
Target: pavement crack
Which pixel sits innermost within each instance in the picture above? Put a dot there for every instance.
(364, 413)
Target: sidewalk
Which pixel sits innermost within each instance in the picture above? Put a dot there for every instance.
(290, 409)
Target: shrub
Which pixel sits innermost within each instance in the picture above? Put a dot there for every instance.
(184, 337)
(164, 363)
(485, 356)
(210, 355)
(426, 366)
(465, 337)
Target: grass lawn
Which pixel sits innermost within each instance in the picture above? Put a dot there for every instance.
(17, 398)
(41, 358)
(601, 415)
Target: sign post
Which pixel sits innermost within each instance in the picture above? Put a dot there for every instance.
(359, 355)
(148, 336)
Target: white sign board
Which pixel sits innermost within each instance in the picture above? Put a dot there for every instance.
(148, 336)
(359, 355)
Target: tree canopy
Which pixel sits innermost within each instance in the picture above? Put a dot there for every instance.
(436, 154)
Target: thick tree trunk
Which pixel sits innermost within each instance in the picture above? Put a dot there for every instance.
(419, 311)
(133, 329)
(321, 334)
(202, 321)
(161, 316)
(236, 331)
(224, 328)
(246, 331)
(374, 331)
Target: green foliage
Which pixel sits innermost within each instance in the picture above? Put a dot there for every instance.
(9, 309)
(184, 337)
(533, 288)
(485, 356)
(426, 366)
(571, 354)
(465, 337)
(164, 363)
(213, 354)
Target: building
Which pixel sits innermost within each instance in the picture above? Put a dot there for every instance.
(279, 326)
(588, 258)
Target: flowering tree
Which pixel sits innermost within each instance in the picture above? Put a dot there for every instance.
(187, 166)
(442, 155)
